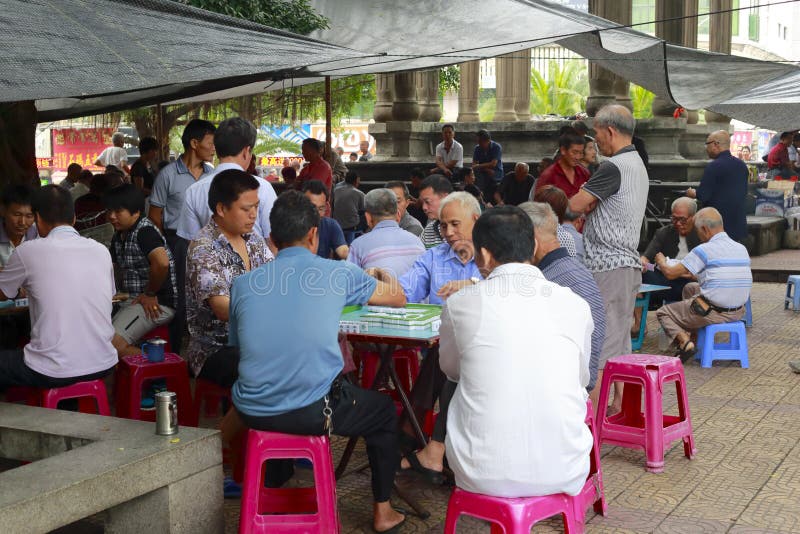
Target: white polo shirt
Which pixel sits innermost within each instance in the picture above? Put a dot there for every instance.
(195, 213)
(70, 282)
(456, 152)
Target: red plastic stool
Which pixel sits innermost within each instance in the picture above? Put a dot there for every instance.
(92, 396)
(210, 395)
(133, 371)
(289, 510)
(518, 515)
(406, 362)
(652, 430)
(161, 332)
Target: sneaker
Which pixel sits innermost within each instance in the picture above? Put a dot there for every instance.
(231, 489)
(794, 365)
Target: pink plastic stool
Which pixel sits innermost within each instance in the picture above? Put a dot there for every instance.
(518, 515)
(210, 395)
(288, 510)
(652, 430)
(83, 391)
(133, 371)
(49, 398)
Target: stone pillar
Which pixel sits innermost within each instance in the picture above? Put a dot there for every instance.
(504, 83)
(428, 92)
(605, 87)
(468, 92)
(405, 106)
(522, 85)
(384, 96)
(719, 40)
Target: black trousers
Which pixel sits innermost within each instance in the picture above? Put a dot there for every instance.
(673, 294)
(177, 327)
(356, 412)
(222, 367)
(440, 428)
(14, 372)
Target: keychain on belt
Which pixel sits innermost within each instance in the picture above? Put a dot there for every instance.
(327, 413)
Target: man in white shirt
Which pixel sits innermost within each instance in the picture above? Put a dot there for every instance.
(234, 140)
(519, 347)
(70, 282)
(449, 153)
(115, 155)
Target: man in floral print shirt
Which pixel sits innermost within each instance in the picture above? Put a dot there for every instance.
(224, 249)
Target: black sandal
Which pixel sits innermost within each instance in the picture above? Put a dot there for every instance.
(434, 477)
(687, 351)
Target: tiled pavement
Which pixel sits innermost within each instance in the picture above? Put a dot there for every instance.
(745, 477)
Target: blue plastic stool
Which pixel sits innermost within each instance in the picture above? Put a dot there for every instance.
(748, 314)
(735, 349)
(794, 280)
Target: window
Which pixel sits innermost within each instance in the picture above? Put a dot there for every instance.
(643, 11)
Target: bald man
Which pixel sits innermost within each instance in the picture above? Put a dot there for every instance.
(722, 268)
(724, 185)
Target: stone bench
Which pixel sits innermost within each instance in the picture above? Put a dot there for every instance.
(85, 464)
(766, 234)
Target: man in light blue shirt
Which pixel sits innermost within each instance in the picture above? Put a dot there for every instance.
(722, 268)
(446, 268)
(386, 246)
(234, 141)
(437, 274)
(284, 317)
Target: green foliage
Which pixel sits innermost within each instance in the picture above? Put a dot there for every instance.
(642, 101)
(487, 109)
(293, 15)
(449, 79)
(270, 145)
(564, 91)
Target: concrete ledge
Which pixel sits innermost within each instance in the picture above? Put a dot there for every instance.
(766, 234)
(86, 464)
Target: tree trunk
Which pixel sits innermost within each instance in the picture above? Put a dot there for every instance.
(18, 144)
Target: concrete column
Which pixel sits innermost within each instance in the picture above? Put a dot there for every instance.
(384, 95)
(428, 92)
(522, 85)
(672, 32)
(719, 40)
(468, 92)
(604, 86)
(690, 10)
(504, 79)
(405, 106)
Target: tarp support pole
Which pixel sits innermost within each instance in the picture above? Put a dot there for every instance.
(328, 112)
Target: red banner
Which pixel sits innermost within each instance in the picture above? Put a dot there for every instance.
(79, 145)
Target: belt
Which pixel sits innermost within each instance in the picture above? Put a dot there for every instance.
(724, 310)
(351, 229)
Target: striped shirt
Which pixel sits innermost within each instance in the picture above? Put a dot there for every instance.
(386, 246)
(611, 234)
(566, 240)
(431, 236)
(722, 267)
(558, 267)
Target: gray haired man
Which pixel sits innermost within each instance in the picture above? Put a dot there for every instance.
(386, 246)
(614, 200)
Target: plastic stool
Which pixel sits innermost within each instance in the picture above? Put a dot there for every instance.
(748, 314)
(406, 362)
(49, 398)
(735, 349)
(517, 515)
(289, 510)
(211, 395)
(83, 391)
(793, 297)
(652, 430)
(133, 371)
(642, 302)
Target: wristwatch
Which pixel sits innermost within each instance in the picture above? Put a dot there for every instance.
(474, 279)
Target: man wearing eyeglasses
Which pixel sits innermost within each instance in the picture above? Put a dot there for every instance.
(675, 242)
(724, 185)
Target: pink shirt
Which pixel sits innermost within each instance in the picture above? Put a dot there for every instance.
(70, 282)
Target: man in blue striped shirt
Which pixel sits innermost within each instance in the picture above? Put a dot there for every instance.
(722, 268)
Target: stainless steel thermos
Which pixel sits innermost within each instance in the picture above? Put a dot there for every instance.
(166, 413)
